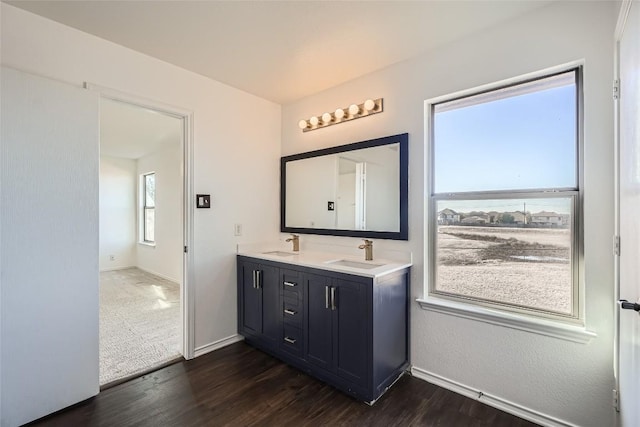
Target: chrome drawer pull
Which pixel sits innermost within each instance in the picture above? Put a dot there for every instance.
(292, 284)
(290, 340)
(326, 297)
(289, 312)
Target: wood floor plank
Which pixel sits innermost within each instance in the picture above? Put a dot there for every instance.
(241, 386)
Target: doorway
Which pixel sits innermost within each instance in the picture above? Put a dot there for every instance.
(141, 239)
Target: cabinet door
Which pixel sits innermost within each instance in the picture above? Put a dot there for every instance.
(318, 315)
(251, 321)
(271, 311)
(351, 334)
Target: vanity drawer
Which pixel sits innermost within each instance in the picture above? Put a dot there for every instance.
(292, 339)
(291, 284)
(291, 312)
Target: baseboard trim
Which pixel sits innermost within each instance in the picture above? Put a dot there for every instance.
(488, 399)
(162, 276)
(208, 348)
(116, 268)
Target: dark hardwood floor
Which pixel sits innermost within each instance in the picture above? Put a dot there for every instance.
(240, 386)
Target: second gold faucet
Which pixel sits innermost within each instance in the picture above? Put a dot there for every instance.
(296, 242)
(368, 249)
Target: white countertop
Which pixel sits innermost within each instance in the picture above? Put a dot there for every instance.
(330, 261)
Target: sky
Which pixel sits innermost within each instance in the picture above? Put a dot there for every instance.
(522, 142)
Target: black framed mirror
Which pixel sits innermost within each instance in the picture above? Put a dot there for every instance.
(358, 190)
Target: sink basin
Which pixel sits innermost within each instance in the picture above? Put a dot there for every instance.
(354, 264)
(279, 253)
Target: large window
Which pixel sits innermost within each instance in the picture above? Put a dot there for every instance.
(504, 202)
(148, 207)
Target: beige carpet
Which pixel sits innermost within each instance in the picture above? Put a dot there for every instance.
(139, 323)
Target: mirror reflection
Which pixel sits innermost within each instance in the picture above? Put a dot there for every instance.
(356, 190)
(350, 190)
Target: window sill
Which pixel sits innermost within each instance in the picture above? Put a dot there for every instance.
(153, 245)
(537, 326)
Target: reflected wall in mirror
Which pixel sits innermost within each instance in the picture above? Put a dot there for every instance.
(358, 190)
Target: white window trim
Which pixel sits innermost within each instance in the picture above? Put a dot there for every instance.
(571, 330)
(540, 326)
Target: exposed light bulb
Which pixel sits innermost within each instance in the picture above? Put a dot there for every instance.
(339, 113)
(369, 105)
(314, 121)
(326, 118)
(354, 109)
(302, 124)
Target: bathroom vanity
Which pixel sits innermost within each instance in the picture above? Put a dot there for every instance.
(338, 319)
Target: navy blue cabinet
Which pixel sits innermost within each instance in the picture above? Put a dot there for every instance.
(259, 316)
(351, 335)
(319, 321)
(337, 336)
(347, 330)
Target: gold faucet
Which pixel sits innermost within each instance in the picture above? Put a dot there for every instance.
(296, 242)
(368, 249)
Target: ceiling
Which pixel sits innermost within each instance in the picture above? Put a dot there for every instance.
(281, 50)
(128, 131)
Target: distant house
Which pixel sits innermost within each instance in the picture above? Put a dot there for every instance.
(493, 216)
(515, 217)
(476, 219)
(549, 219)
(448, 216)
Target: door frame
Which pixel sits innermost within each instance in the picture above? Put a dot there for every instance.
(625, 9)
(187, 293)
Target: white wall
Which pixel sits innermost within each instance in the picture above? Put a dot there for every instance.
(117, 213)
(235, 163)
(566, 380)
(307, 198)
(164, 258)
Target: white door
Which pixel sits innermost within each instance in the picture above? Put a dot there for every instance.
(48, 246)
(629, 175)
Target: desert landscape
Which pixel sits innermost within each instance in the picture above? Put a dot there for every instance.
(530, 267)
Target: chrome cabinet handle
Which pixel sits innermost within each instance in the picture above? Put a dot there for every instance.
(289, 312)
(292, 284)
(258, 279)
(254, 278)
(326, 297)
(290, 340)
(333, 298)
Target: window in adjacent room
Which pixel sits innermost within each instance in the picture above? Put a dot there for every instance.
(148, 207)
(504, 197)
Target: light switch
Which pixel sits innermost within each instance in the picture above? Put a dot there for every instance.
(203, 201)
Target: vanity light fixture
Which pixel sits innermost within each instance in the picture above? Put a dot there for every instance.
(354, 111)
